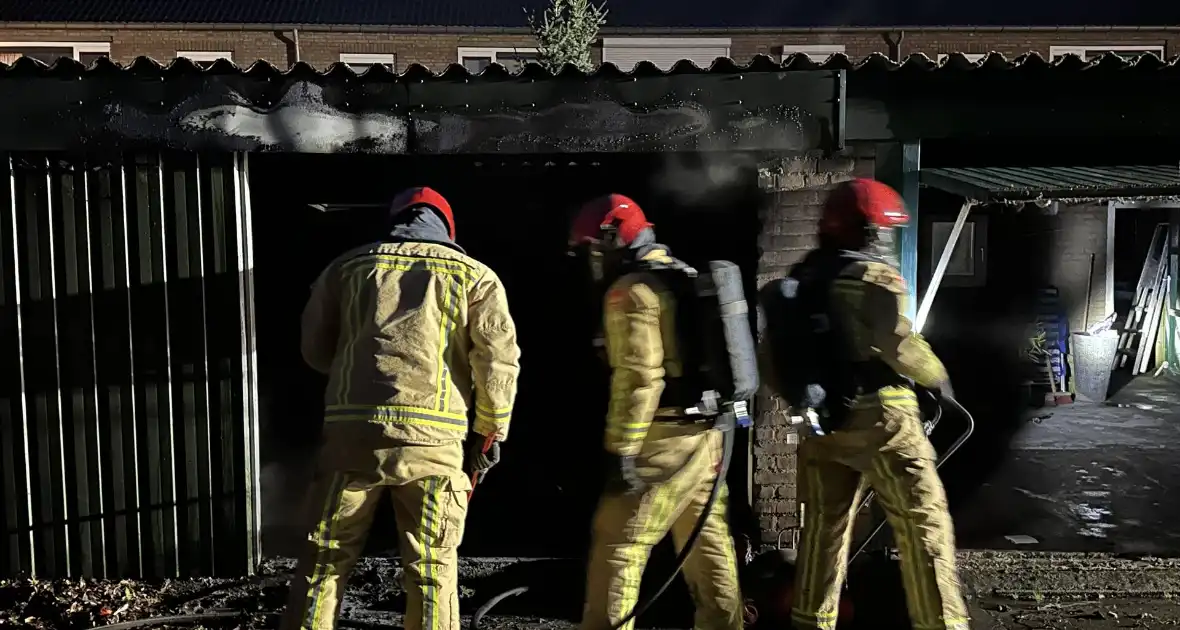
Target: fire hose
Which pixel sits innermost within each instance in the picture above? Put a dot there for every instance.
(966, 415)
(771, 586)
(477, 618)
(641, 607)
(681, 559)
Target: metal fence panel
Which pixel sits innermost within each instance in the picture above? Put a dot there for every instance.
(127, 401)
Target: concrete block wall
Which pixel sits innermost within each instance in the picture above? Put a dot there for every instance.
(797, 186)
(1078, 232)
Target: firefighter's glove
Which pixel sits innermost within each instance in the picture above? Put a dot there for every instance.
(478, 460)
(622, 476)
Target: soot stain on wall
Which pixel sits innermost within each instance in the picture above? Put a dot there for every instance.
(234, 110)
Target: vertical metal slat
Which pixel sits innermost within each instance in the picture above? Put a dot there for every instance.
(184, 372)
(244, 231)
(223, 348)
(72, 383)
(63, 524)
(83, 506)
(111, 366)
(211, 537)
(17, 295)
(99, 450)
(75, 302)
(137, 531)
(170, 419)
(187, 313)
(148, 429)
(12, 484)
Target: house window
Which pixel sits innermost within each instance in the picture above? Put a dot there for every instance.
(49, 52)
(967, 266)
(818, 52)
(513, 59)
(202, 58)
(664, 52)
(359, 62)
(972, 57)
(1090, 52)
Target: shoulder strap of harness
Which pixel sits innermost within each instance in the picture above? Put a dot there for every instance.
(670, 264)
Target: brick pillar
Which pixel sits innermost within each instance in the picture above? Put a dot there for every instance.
(798, 186)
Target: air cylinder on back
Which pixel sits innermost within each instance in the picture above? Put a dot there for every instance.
(730, 351)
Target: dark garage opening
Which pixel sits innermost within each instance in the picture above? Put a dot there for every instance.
(512, 214)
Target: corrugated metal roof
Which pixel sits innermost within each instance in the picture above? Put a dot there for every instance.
(1002, 184)
(303, 111)
(1032, 64)
(623, 14)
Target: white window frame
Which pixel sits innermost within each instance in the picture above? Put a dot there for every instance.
(972, 57)
(815, 51)
(669, 42)
(726, 43)
(78, 47)
(493, 52)
(1085, 51)
(205, 56)
(388, 60)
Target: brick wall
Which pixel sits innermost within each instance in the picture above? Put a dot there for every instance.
(798, 186)
(321, 47)
(1079, 231)
(1010, 41)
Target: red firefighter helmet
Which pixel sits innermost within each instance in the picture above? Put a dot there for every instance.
(610, 211)
(859, 205)
(424, 196)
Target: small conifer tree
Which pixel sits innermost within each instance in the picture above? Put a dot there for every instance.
(566, 31)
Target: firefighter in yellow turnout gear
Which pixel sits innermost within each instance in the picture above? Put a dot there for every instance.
(412, 333)
(663, 466)
(881, 442)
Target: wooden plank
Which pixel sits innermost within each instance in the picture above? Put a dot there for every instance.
(1151, 329)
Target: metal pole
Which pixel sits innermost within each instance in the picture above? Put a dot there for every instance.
(940, 271)
(908, 243)
(1108, 280)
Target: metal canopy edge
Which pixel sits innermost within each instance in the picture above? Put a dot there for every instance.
(994, 184)
(233, 111)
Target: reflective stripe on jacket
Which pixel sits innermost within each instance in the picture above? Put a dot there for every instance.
(408, 334)
(870, 298)
(641, 344)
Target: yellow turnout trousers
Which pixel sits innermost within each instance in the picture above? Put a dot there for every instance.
(357, 466)
(679, 462)
(881, 445)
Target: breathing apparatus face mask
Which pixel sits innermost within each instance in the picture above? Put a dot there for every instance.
(602, 257)
(884, 243)
(598, 262)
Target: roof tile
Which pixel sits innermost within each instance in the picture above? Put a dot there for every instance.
(875, 63)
